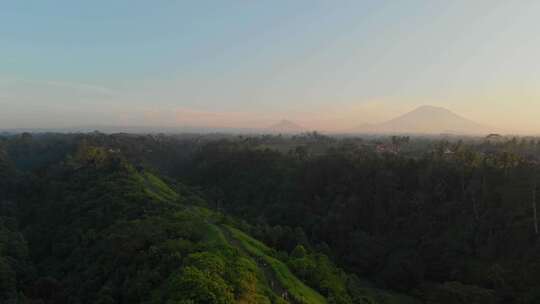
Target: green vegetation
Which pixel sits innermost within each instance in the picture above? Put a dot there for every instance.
(414, 220)
(250, 244)
(214, 235)
(297, 290)
(94, 218)
(117, 235)
(157, 188)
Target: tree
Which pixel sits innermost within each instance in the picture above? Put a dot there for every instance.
(299, 252)
(535, 216)
(200, 287)
(398, 142)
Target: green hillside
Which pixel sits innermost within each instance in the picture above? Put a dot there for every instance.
(298, 291)
(96, 229)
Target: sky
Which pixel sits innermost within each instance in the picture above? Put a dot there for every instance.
(327, 65)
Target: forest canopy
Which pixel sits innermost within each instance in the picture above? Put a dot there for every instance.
(123, 218)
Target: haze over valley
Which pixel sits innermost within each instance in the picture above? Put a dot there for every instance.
(422, 120)
(270, 152)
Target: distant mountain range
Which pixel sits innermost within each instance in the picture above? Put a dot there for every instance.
(285, 126)
(422, 120)
(427, 120)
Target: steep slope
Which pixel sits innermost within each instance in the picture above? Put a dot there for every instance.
(281, 278)
(427, 120)
(111, 233)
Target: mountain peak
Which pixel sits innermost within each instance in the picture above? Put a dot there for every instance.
(428, 119)
(286, 122)
(286, 126)
(431, 108)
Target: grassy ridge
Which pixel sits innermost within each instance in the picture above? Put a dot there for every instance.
(296, 288)
(155, 187)
(215, 236)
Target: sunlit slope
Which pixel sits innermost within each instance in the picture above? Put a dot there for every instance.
(112, 232)
(294, 288)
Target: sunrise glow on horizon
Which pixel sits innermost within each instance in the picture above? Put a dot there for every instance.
(325, 65)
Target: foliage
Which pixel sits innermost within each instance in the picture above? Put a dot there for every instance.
(298, 290)
(121, 218)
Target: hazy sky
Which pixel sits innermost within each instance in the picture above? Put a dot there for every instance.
(325, 64)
